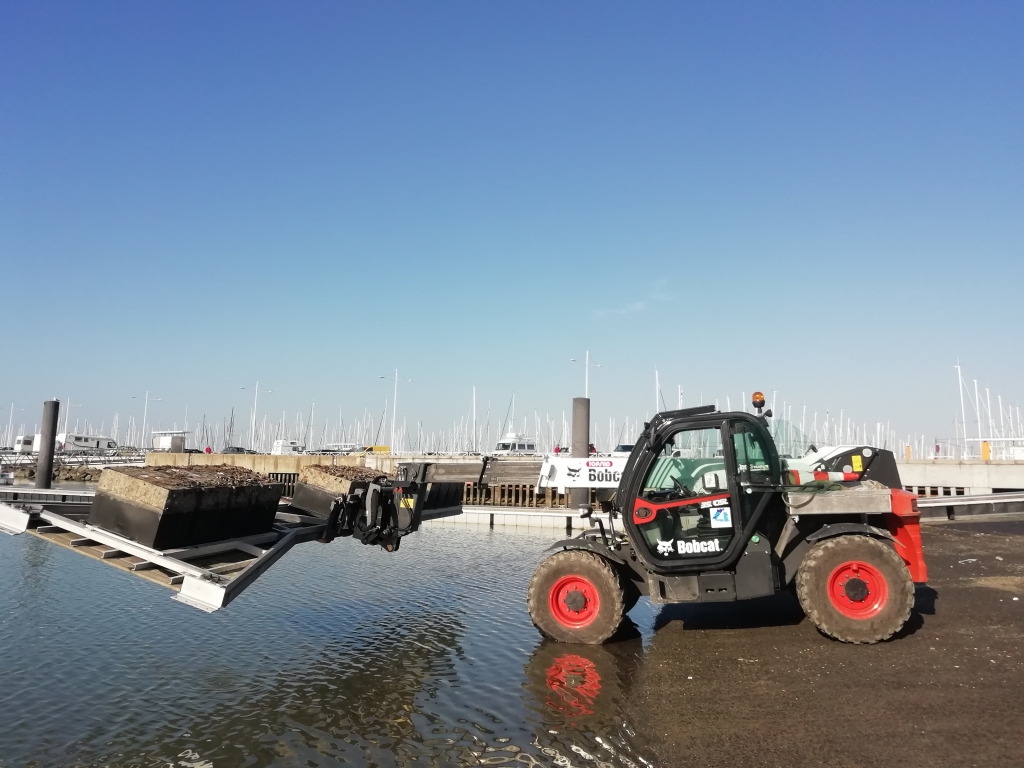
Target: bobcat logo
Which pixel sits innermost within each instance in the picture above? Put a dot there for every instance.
(666, 547)
(571, 473)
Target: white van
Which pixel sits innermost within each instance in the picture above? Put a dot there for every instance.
(286, 447)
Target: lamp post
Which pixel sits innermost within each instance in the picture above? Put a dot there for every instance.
(587, 365)
(394, 404)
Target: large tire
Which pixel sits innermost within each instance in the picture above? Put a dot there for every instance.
(576, 597)
(855, 589)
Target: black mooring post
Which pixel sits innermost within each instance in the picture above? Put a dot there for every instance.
(579, 497)
(48, 436)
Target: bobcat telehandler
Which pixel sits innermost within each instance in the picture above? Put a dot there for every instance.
(710, 513)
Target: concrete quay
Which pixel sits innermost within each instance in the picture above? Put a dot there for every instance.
(972, 477)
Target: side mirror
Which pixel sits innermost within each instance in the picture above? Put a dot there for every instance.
(710, 481)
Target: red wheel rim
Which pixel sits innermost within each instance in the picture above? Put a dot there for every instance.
(858, 590)
(574, 601)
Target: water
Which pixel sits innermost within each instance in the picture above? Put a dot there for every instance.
(339, 655)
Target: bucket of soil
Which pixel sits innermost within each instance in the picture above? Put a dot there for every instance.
(170, 507)
(319, 486)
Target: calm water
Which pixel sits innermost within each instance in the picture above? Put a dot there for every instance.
(339, 655)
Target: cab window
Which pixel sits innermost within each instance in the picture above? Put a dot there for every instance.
(689, 464)
(753, 458)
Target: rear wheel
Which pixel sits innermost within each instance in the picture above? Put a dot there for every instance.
(855, 589)
(576, 597)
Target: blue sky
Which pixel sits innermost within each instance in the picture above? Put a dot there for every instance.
(826, 200)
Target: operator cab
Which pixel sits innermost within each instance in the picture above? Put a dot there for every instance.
(698, 486)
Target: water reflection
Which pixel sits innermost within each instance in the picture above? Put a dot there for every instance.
(579, 694)
(339, 656)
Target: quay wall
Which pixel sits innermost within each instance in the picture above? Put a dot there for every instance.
(971, 477)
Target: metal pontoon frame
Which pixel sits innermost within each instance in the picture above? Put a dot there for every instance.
(207, 576)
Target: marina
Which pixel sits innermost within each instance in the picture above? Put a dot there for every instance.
(511, 384)
(438, 664)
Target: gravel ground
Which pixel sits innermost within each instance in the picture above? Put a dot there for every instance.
(756, 684)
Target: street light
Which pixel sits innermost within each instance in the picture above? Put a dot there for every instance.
(252, 428)
(587, 366)
(394, 404)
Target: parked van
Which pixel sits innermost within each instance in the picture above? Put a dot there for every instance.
(286, 447)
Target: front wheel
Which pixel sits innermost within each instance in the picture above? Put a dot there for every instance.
(855, 589)
(576, 597)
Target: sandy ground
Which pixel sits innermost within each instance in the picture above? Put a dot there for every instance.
(756, 684)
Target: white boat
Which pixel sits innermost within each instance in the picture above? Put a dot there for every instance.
(514, 444)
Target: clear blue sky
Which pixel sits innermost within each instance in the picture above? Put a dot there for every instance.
(822, 199)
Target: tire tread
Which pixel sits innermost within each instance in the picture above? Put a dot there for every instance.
(810, 571)
(578, 561)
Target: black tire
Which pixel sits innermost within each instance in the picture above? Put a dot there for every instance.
(576, 597)
(878, 600)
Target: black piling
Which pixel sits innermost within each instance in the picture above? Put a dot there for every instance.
(48, 438)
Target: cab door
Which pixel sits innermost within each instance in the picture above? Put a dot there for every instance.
(685, 508)
(758, 469)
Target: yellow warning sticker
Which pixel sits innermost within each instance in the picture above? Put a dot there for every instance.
(410, 503)
(858, 464)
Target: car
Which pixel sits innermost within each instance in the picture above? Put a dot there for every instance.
(237, 449)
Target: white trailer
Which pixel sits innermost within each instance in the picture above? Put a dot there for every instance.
(72, 443)
(27, 443)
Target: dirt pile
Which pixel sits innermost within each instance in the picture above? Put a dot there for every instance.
(80, 474)
(338, 480)
(173, 478)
